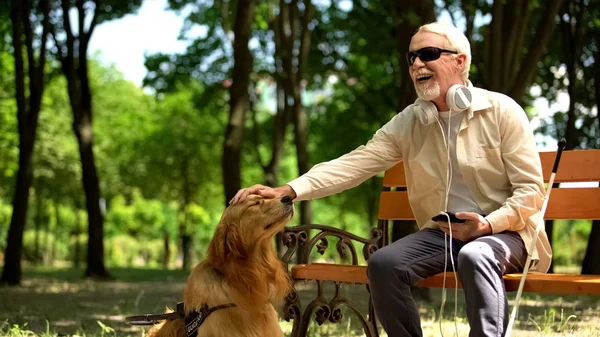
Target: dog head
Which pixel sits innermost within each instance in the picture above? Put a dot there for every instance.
(242, 247)
(246, 226)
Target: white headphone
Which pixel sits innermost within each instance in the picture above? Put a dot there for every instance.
(458, 98)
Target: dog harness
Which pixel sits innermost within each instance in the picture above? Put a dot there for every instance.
(193, 320)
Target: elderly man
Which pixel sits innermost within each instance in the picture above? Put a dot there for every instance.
(466, 151)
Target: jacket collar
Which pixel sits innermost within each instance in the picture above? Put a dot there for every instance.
(480, 101)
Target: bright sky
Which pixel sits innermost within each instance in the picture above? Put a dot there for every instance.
(124, 42)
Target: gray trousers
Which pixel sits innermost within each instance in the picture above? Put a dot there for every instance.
(393, 269)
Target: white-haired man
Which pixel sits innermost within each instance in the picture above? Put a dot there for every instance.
(465, 150)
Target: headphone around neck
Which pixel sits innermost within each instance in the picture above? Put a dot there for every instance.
(458, 98)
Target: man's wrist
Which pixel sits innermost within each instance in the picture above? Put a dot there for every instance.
(287, 190)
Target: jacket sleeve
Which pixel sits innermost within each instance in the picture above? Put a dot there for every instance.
(523, 168)
(353, 168)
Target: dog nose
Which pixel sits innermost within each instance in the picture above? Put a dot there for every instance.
(286, 200)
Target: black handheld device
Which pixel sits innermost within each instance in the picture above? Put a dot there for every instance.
(453, 218)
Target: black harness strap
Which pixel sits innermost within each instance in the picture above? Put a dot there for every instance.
(151, 319)
(194, 319)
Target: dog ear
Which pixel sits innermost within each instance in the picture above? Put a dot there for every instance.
(227, 243)
(234, 245)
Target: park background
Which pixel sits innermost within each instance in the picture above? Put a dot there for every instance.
(127, 125)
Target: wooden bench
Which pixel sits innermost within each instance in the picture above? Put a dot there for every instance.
(565, 203)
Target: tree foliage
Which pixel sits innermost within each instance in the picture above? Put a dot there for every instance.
(159, 150)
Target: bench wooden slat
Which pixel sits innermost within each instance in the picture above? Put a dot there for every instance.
(394, 177)
(564, 203)
(540, 283)
(331, 272)
(535, 282)
(575, 166)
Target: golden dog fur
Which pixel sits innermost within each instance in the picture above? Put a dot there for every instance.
(241, 268)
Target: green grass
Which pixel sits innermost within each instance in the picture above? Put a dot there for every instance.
(57, 302)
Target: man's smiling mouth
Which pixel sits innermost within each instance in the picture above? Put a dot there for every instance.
(423, 78)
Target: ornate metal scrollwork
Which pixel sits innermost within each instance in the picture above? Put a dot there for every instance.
(331, 311)
(296, 237)
(292, 307)
(292, 240)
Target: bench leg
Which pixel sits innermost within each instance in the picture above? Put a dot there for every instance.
(372, 316)
(326, 310)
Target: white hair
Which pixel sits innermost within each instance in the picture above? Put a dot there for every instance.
(455, 40)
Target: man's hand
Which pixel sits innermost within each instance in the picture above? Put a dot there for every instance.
(264, 191)
(475, 226)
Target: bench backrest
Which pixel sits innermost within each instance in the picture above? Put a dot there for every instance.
(565, 203)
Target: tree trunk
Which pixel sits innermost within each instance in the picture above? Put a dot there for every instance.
(78, 226)
(186, 248)
(73, 58)
(28, 108)
(167, 251)
(572, 34)
(271, 171)
(504, 67)
(300, 116)
(186, 241)
(406, 26)
(238, 104)
(47, 248)
(282, 116)
(549, 227)
(91, 186)
(38, 225)
(56, 231)
(293, 37)
(80, 96)
(571, 37)
(591, 262)
(11, 274)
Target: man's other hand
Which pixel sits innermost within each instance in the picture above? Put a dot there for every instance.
(475, 226)
(264, 191)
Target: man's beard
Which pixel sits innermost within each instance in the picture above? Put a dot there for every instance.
(428, 92)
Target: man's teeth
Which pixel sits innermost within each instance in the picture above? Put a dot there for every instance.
(424, 78)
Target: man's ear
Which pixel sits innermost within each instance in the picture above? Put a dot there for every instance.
(461, 62)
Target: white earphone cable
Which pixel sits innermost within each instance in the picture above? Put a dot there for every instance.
(448, 184)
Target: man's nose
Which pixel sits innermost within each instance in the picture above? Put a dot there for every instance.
(417, 63)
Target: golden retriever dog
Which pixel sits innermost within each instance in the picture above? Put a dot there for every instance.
(242, 269)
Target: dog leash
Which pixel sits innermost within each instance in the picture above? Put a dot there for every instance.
(151, 319)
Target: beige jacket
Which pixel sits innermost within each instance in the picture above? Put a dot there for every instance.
(496, 153)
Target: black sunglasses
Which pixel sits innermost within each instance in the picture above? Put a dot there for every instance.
(426, 54)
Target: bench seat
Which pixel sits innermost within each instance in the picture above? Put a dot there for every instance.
(535, 282)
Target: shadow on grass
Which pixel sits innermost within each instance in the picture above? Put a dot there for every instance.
(118, 274)
(71, 305)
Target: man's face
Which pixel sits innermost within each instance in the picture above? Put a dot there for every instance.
(432, 79)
